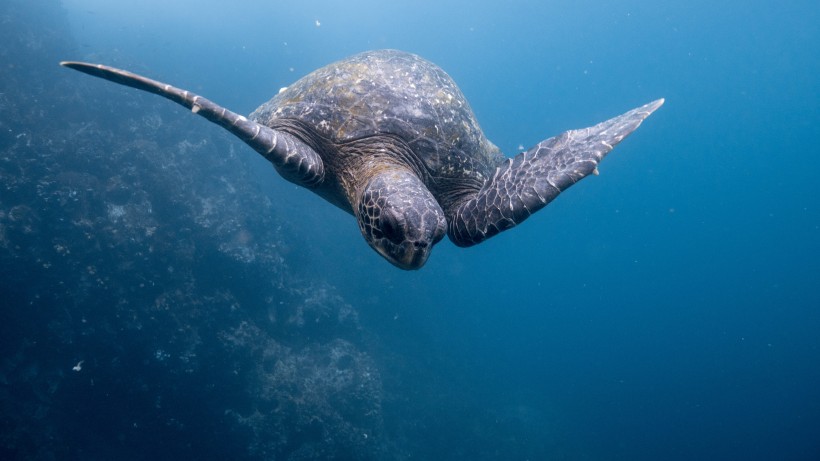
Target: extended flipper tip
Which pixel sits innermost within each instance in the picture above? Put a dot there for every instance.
(654, 105)
(96, 70)
(73, 64)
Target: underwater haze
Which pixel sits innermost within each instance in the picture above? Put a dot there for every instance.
(166, 295)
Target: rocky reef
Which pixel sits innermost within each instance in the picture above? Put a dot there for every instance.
(150, 309)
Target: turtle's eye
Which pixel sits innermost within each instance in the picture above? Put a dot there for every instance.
(390, 228)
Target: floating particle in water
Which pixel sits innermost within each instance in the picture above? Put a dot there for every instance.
(161, 355)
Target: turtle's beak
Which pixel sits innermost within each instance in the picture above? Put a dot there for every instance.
(411, 258)
(415, 258)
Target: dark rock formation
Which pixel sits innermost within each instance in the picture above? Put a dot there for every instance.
(149, 309)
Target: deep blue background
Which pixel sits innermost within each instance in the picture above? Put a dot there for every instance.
(667, 309)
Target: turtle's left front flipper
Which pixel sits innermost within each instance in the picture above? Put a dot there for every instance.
(531, 180)
(294, 159)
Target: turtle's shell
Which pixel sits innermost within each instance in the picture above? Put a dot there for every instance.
(390, 92)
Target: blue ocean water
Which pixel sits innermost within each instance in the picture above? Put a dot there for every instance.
(666, 309)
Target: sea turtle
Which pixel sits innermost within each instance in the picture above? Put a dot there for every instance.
(388, 137)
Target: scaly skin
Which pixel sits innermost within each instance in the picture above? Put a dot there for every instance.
(295, 161)
(531, 180)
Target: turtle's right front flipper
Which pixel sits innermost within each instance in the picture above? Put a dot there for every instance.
(294, 159)
(531, 180)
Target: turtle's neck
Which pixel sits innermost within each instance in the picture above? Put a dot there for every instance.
(364, 159)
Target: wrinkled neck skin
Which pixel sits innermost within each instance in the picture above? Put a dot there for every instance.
(397, 215)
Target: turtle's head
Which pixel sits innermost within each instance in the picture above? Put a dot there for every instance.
(400, 219)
